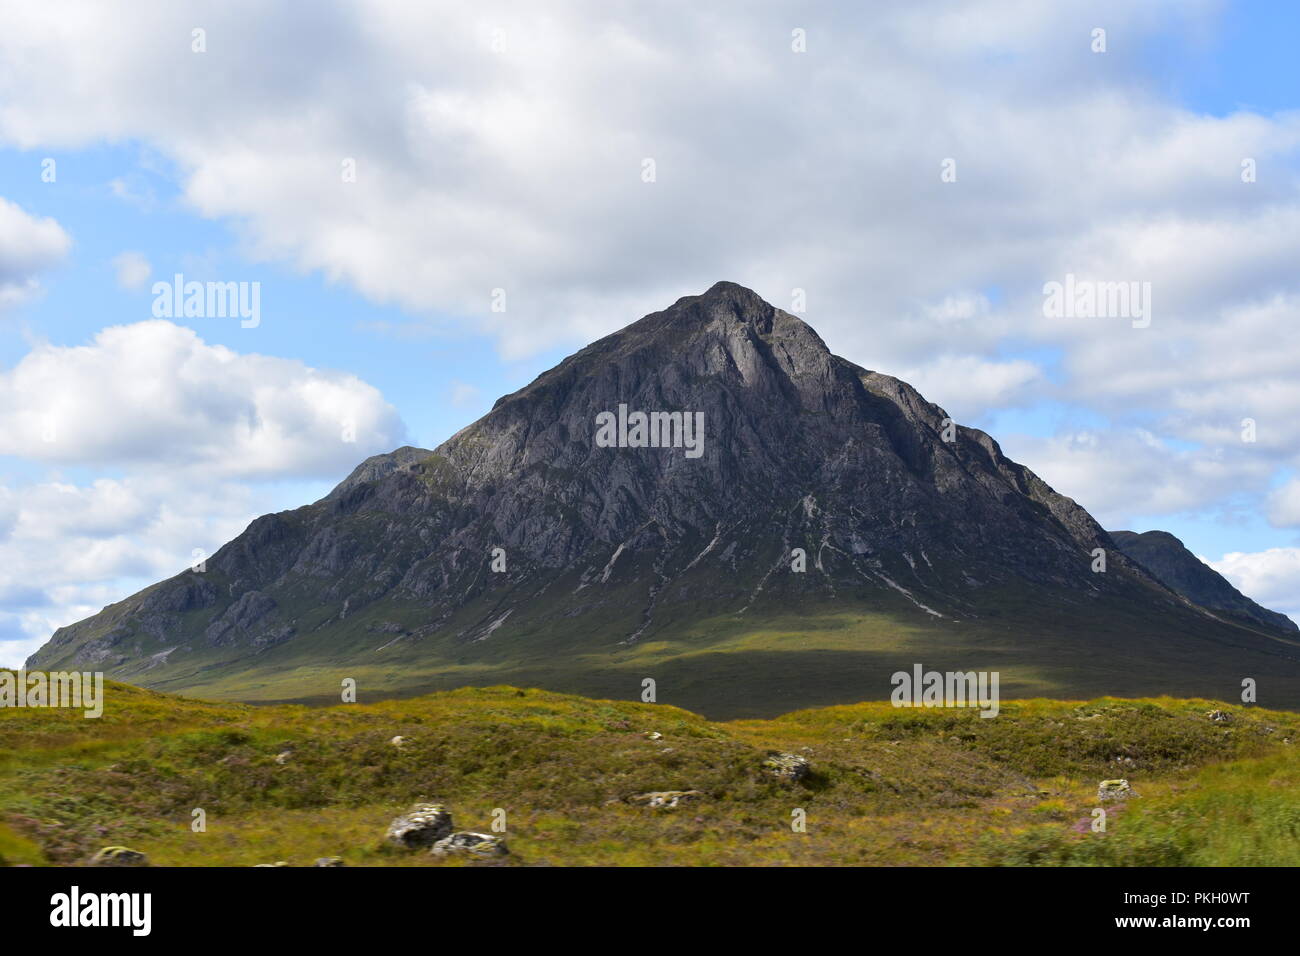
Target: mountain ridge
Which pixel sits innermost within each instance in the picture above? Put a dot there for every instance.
(519, 546)
(1168, 559)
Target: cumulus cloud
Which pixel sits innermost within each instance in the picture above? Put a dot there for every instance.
(966, 385)
(67, 550)
(1121, 473)
(154, 393)
(502, 147)
(198, 438)
(1271, 578)
(1284, 505)
(28, 246)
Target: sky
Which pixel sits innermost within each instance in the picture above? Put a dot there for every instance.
(437, 202)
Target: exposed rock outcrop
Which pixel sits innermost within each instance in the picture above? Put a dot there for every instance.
(422, 826)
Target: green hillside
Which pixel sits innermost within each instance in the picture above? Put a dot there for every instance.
(768, 662)
(887, 786)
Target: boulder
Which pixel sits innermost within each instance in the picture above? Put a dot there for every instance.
(665, 799)
(330, 861)
(119, 856)
(399, 741)
(1219, 716)
(423, 825)
(787, 766)
(467, 843)
(1114, 790)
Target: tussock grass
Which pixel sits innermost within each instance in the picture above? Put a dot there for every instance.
(889, 786)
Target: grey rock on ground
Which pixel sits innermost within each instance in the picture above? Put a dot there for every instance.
(665, 799)
(1114, 790)
(468, 843)
(787, 766)
(119, 856)
(423, 825)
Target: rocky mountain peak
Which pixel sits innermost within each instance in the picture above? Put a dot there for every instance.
(704, 470)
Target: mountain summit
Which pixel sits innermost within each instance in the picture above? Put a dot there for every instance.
(708, 498)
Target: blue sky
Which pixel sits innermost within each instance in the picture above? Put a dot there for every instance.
(1244, 61)
(322, 324)
(504, 149)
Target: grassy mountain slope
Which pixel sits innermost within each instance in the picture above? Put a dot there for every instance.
(756, 665)
(889, 786)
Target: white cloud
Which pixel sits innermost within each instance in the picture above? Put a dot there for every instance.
(67, 550)
(1284, 505)
(28, 246)
(154, 393)
(518, 165)
(966, 385)
(201, 439)
(1121, 473)
(140, 196)
(1270, 578)
(520, 170)
(133, 269)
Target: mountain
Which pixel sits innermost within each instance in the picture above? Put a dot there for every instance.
(526, 549)
(1171, 563)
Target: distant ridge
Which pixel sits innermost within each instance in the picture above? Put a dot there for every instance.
(1165, 557)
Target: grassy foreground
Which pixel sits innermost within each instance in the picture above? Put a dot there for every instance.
(889, 786)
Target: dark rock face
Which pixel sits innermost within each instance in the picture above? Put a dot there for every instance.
(816, 481)
(1173, 565)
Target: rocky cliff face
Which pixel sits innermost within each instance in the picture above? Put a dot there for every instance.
(1172, 564)
(817, 484)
